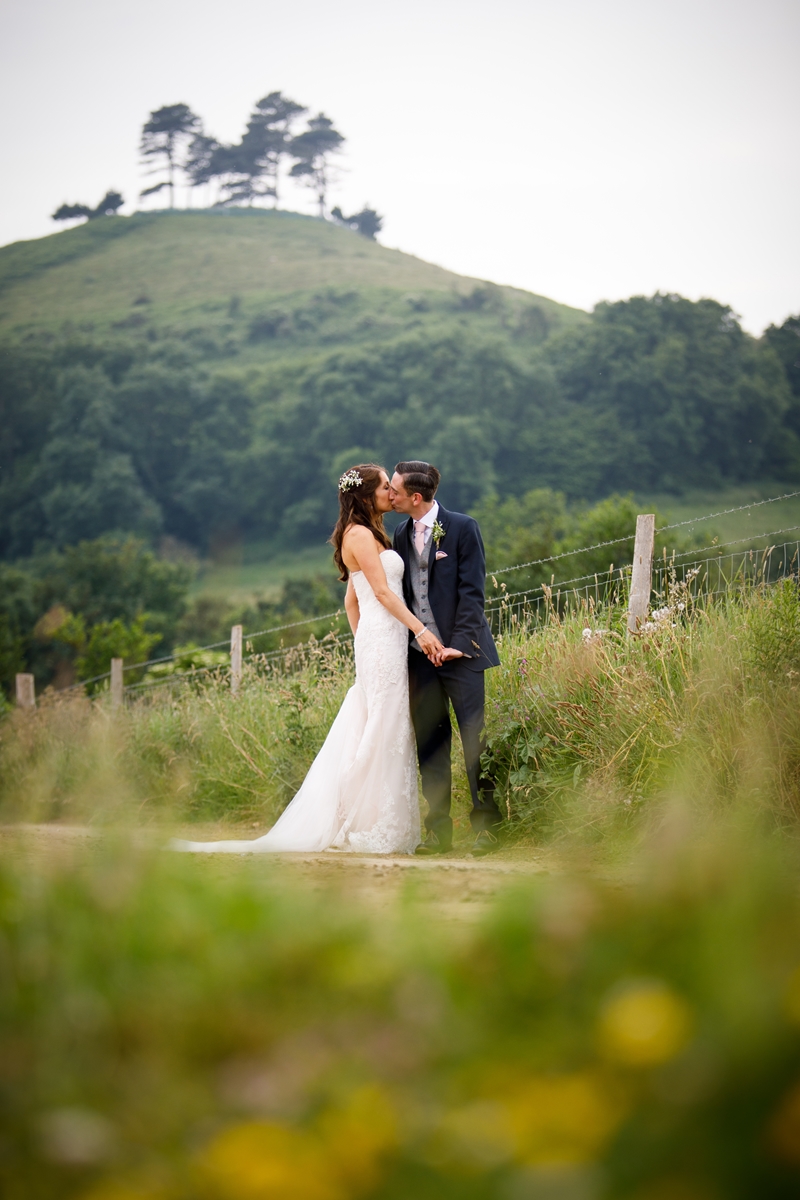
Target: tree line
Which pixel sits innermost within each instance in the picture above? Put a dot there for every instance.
(106, 442)
(653, 394)
(175, 145)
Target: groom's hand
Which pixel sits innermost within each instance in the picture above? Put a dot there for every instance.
(446, 654)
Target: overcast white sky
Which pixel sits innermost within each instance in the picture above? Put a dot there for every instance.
(582, 149)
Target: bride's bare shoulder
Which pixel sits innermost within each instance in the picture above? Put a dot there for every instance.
(357, 535)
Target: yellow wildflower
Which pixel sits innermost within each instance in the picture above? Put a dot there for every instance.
(562, 1119)
(260, 1160)
(645, 1025)
(358, 1137)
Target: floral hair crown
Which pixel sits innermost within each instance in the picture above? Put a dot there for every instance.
(350, 479)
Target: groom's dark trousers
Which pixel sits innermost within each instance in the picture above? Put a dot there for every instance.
(456, 578)
(432, 690)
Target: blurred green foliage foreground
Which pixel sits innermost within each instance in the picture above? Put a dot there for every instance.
(627, 1026)
(175, 1030)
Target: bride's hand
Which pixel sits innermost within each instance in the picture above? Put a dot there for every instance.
(430, 645)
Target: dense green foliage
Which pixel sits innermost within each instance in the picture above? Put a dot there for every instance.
(65, 614)
(219, 370)
(785, 341)
(664, 393)
(142, 436)
(71, 611)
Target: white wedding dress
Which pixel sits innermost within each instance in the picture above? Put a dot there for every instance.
(360, 793)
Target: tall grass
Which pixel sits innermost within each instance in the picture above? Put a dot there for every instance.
(588, 729)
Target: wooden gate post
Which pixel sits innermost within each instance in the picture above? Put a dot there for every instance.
(236, 658)
(26, 695)
(642, 576)
(116, 683)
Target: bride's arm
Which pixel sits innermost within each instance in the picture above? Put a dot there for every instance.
(361, 545)
(351, 605)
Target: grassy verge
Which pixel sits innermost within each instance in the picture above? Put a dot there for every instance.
(589, 731)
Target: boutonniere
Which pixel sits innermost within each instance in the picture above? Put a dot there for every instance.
(438, 532)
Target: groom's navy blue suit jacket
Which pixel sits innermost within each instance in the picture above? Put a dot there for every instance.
(456, 582)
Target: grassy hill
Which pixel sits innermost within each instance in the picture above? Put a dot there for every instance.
(206, 376)
(212, 270)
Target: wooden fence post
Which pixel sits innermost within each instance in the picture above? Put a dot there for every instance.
(642, 576)
(116, 683)
(26, 695)
(236, 658)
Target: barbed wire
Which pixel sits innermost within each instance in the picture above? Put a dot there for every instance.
(498, 603)
(727, 511)
(535, 562)
(674, 554)
(151, 662)
(250, 637)
(246, 637)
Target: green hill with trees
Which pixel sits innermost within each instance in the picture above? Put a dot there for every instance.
(199, 380)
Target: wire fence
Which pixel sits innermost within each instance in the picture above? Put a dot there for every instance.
(596, 590)
(695, 582)
(536, 562)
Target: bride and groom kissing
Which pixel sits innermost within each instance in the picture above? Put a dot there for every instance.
(422, 643)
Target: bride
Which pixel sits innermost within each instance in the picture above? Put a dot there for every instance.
(360, 793)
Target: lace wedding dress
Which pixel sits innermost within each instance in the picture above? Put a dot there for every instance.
(360, 793)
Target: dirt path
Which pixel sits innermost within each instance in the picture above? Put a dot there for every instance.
(457, 885)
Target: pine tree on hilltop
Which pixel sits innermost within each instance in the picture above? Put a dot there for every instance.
(106, 208)
(367, 222)
(268, 138)
(168, 129)
(312, 150)
(248, 170)
(201, 159)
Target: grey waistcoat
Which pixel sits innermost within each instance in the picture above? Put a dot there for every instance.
(420, 605)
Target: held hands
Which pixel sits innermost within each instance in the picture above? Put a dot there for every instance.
(429, 644)
(434, 649)
(447, 654)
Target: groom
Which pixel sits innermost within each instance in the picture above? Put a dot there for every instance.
(443, 584)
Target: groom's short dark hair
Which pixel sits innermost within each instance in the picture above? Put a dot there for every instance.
(419, 477)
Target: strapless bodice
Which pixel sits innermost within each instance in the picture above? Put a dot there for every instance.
(393, 567)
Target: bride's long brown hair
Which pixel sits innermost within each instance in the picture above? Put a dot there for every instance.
(357, 507)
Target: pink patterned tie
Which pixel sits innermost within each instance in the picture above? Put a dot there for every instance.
(419, 536)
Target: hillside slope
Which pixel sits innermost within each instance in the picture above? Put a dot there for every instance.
(207, 376)
(186, 268)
